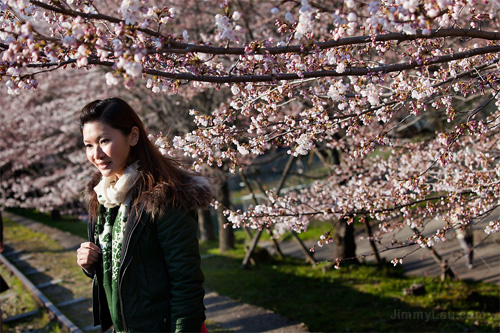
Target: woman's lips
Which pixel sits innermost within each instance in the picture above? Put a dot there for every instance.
(103, 165)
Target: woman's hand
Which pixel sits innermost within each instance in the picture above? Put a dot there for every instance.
(87, 255)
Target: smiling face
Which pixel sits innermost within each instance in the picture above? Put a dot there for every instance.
(108, 148)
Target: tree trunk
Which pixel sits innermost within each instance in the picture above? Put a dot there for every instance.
(205, 224)
(55, 214)
(256, 237)
(309, 256)
(251, 249)
(345, 249)
(369, 232)
(446, 270)
(226, 235)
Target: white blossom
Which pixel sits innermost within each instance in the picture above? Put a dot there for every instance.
(236, 16)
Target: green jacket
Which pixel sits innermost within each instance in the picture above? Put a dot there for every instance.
(161, 282)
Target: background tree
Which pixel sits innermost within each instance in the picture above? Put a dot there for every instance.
(407, 91)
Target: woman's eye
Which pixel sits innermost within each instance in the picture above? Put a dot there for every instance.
(104, 141)
(88, 146)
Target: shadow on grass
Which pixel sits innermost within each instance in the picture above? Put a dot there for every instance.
(65, 223)
(333, 301)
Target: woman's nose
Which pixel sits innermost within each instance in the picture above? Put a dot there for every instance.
(99, 153)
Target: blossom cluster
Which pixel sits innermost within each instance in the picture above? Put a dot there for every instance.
(405, 99)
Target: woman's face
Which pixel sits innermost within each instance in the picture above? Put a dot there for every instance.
(108, 148)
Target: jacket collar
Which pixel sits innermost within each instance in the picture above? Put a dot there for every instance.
(196, 193)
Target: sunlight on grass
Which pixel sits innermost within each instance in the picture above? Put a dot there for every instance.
(355, 298)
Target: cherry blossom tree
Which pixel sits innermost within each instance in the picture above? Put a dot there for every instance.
(41, 161)
(405, 90)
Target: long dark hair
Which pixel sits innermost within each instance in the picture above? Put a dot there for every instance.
(155, 168)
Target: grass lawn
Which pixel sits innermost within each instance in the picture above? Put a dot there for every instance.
(354, 298)
(66, 223)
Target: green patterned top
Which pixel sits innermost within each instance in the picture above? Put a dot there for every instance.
(109, 234)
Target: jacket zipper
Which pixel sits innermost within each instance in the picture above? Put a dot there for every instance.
(125, 269)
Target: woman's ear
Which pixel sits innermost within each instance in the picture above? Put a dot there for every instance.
(134, 136)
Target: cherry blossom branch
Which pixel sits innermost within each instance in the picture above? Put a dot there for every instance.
(173, 46)
(182, 48)
(319, 74)
(481, 107)
(464, 74)
(459, 134)
(76, 13)
(364, 212)
(363, 256)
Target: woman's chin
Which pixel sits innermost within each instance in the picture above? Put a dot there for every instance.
(107, 173)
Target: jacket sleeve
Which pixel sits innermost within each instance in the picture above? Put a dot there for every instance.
(177, 232)
(90, 272)
(90, 233)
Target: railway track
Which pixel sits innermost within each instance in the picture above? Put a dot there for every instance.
(48, 272)
(41, 299)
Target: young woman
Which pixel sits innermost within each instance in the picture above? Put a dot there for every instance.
(143, 251)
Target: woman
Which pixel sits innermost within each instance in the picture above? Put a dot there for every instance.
(143, 251)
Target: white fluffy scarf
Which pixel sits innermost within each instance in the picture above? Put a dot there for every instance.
(112, 192)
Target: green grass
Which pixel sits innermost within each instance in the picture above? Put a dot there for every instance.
(214, 327)
(17, 301)
(66, 223)
(354, 298)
